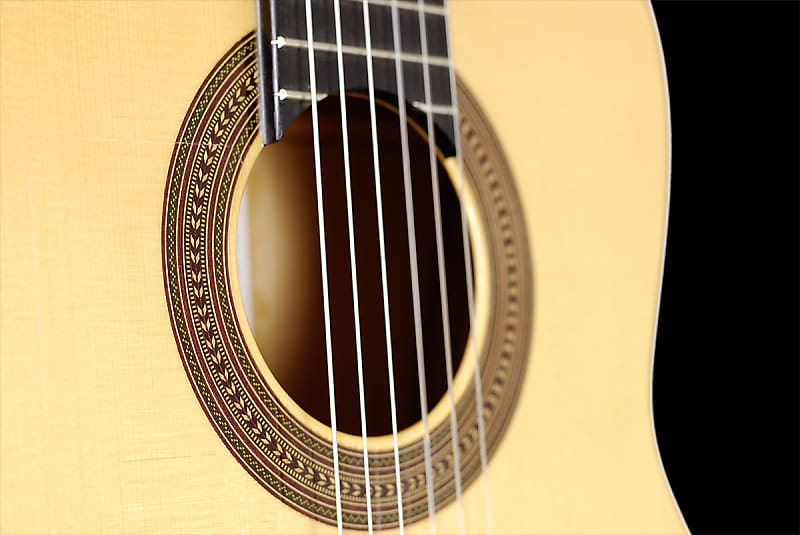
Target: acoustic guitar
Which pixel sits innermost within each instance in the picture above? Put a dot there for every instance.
(308, 266)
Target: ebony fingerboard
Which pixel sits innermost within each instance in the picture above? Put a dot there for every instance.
(284, 65)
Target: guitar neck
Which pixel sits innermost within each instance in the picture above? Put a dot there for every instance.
(284, 62)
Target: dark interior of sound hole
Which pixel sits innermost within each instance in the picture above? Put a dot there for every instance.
(287, 316)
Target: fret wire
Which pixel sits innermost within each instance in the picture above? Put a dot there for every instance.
(435, 108)
(282, 41)
(408, 6)
(290, 94)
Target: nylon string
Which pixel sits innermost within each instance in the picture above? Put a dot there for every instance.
(353, 272)
(448, 357)
(381, 240)
(469, 274)
(323, 259)
(412, 251)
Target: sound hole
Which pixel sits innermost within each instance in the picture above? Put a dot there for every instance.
(281, 280)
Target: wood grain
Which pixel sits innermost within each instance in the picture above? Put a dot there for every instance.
(99, 428)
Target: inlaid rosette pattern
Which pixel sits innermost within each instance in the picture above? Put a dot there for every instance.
(290, 460)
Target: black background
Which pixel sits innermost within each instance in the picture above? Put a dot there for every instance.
(726, 367)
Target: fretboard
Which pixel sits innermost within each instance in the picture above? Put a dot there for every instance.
(284, 63)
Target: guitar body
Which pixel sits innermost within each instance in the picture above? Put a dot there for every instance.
(102, 432)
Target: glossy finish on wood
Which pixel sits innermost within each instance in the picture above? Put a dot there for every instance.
(100, 430)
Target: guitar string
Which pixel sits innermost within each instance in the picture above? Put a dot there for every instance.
(412, 252)
(381, 241)
(353, 271)
(469, 274)
(323, 259)
(448, 357)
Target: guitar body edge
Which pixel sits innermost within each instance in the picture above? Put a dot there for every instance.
(100, 430)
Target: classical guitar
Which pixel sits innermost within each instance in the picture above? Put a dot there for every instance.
(308, 266)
